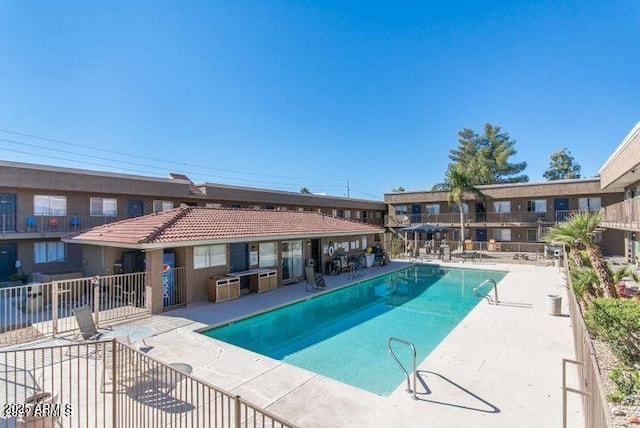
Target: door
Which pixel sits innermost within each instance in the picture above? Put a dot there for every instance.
(8, 212)
(8, 257)
(480, 212)
(316, 252)
(239, 256)
(416, 213)
(561, 208)
(170, 295)
(292, 260)
(135, 208)
(481, 235)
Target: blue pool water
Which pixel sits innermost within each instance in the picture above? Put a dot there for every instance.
(343, 335)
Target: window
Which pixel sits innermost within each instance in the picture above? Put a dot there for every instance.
(104, 207)
(432, 209)
(401, 210)
(532, 235)
(502, 234)
(268, 255)
(589, 204)
(49, 205)
(49, 252)
(209, 256)
(364, 242)
(537, 205)
(465, 208)
(347, 214)
(159, 206)
(502, 206)
(212, 205)
(340, 213)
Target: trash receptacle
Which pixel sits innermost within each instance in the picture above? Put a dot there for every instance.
(554, 303)
(446, 253)
(35, 299)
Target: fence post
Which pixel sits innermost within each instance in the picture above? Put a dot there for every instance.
(237, 411)
(114, 376)
(54, 302)
(95, 281)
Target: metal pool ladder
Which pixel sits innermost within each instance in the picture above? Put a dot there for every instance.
(413, 348)
(495, 300)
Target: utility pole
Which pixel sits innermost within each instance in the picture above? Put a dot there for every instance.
(348, 190)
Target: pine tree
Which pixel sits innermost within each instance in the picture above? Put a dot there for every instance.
(485, 158)
(562, 166)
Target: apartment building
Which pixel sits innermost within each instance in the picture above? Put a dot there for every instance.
(520, 212)
(41, 204)
(621, 173)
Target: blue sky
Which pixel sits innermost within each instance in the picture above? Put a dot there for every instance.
(291, 94)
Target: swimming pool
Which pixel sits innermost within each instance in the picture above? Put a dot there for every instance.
(343, 334)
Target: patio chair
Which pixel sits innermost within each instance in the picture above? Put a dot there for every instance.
(32, 224)
(315, 281)
(75, 223)
(53, 224)
(87, 326)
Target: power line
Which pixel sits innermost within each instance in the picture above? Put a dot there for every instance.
(192, 174)
(201, 173)
(54, 140)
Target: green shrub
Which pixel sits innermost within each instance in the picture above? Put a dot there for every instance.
(616, 321)
(627, 383)
(396, 245)
(586, 261)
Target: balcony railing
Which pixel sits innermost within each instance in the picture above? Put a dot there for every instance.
(30, 312)
(454, 218)
(564, 215)
(43, 224)
(623, 215)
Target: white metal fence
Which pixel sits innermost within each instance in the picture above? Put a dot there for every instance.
(29, 312)
(110, 384)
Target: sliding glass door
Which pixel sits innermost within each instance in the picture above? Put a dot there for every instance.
(292, 260)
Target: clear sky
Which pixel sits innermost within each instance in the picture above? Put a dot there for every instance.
(292, 94)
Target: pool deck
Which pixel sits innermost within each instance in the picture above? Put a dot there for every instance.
(500, 367)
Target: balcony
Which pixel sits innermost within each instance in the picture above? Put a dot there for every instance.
(453, 219)
(624, 215)
(28, 225)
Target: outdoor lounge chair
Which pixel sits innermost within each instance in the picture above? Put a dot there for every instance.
(315, 281)
(87, 326)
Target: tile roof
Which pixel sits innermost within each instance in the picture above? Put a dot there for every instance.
(190, 225)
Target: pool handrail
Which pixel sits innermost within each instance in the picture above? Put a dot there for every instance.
(486, 296)
(413, 348)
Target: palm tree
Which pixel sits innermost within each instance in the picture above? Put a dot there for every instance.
(580, 229)
(460, 184)
(566, 236)
(583, 280)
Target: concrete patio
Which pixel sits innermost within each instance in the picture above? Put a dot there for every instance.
(500, 367)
